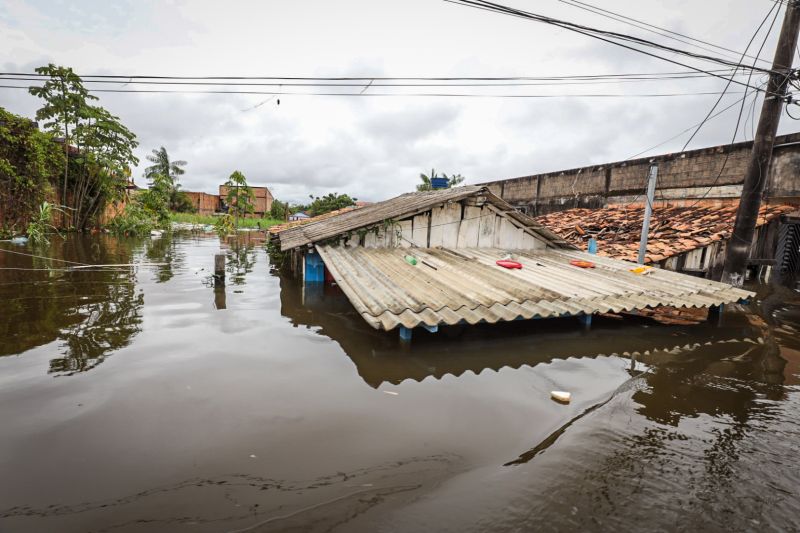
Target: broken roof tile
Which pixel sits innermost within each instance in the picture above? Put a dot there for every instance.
(673, 230)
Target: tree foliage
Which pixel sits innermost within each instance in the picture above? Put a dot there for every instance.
(325, 204)
(240, 197)
(453, 180)
(29, 162)
(98, 148)
(171, 170)
(279, 210)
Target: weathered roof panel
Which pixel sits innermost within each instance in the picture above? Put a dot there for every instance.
(673, 230)
(450, 286)
(403, 206)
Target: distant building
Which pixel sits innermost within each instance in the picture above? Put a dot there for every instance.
(298, 216)
(208, 204)
(204, 203)
(262, 196)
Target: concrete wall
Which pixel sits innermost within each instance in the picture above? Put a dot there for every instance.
(714, 174)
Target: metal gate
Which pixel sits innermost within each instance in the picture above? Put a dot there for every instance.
(787, 252)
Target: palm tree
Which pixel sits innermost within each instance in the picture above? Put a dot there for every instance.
(426, 181)
(162, 166)
(453, 180)
(426, 185)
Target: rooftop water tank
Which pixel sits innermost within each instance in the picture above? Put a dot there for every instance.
(439, 183)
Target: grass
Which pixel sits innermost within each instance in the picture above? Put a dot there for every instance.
(191, 218)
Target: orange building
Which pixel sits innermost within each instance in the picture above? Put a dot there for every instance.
(208, 204)
(263, 199)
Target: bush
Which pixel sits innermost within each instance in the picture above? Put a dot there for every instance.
(136, 220)
(40, 224)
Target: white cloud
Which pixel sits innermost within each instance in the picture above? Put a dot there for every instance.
(372, 147)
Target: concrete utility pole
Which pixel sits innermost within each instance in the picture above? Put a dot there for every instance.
(648, 211)
(756, 177)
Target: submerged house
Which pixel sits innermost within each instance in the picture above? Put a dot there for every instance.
(427, 259)
(691, 239)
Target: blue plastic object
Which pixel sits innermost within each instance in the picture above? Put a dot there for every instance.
(315, 268)
(439, 183)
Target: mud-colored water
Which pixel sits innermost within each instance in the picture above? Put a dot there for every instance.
(146, 399)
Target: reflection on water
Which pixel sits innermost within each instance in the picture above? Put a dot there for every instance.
(90, 312)
(274, 414)
(240, 259)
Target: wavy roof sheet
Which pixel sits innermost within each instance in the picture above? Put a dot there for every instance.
(450, 286)
(400, 207)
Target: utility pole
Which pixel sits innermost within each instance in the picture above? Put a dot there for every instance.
(648, 211)
(756, 177)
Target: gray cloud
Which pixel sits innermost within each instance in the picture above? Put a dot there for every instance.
(373, 147)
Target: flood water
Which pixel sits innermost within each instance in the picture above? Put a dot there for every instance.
(147, 399)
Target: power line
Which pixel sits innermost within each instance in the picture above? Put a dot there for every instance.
(730, 80)
(739, 118)
(658, 30)
(605, 36)
(690, 128)
(565, 82)
(127, 77)
(374, 94)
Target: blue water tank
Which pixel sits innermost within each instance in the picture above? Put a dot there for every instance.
(439, 183)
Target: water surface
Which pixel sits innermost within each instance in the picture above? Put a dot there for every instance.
(148, 399)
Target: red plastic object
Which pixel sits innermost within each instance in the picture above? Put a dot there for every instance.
(505, 263)
(581, 264)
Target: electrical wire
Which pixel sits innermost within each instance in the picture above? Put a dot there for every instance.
(363, 79)
(690, 128)
(602, 35)
(739, 117)
(375, 94)
(741, 60)
(736, 128)
(663, 32)
(498, 83)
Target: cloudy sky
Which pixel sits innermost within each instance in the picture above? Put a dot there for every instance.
(373, 147)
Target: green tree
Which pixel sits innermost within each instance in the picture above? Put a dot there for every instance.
(65, 104)
(330, 202)
(173, 170)
(157, 197)
(452, 181)
(29, 161)
(279, 210)
(240, 196)
(105, 160)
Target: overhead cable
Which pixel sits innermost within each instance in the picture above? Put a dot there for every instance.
(396, 94)
(606, 36)
(658, 30)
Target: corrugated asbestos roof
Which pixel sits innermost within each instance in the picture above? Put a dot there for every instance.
(403, 206)
(467, 285)
(673, 230)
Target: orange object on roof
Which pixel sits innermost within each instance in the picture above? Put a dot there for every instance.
(581, 264)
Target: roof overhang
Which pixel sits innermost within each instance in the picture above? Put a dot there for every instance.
(448, 287)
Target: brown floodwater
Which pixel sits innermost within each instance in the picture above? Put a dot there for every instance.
(147, 399)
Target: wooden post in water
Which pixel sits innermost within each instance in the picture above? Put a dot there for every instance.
(219, 268)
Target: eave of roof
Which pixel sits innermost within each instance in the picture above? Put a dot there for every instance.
(466, 285)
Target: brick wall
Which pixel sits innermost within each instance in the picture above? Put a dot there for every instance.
(263, 199)
(206, 204)
(680, 176)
